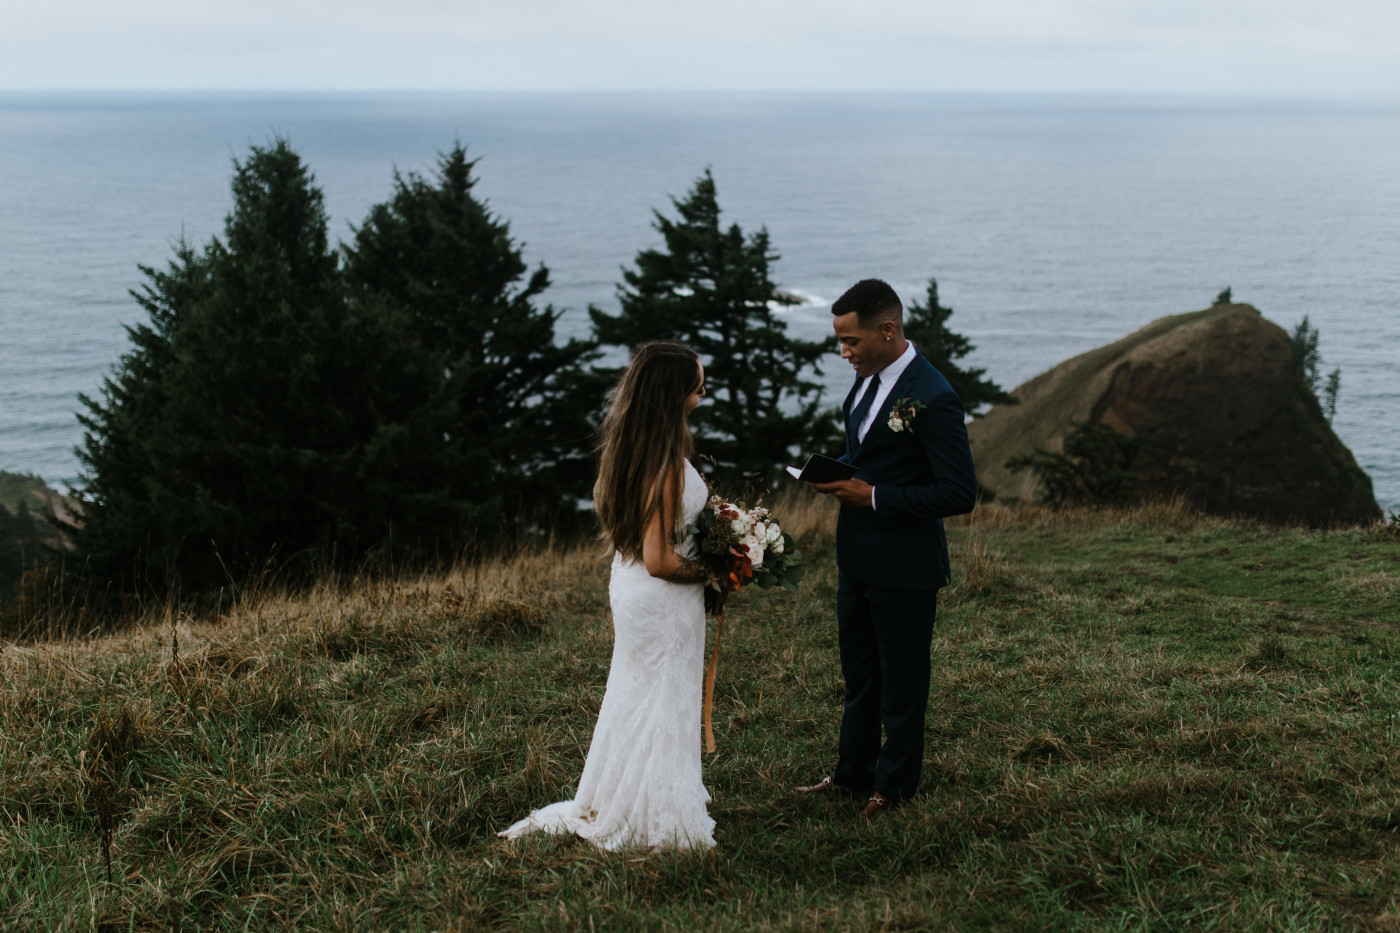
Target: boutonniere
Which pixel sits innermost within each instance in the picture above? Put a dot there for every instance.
(903, 412)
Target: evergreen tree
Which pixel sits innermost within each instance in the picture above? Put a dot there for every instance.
(1307, 364)
(1307, 359)
(710, 287)
(258, 411)
(1329, 394)
(127, 434)
(926, 325)
(517, 406)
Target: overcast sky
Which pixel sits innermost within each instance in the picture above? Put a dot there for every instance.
(1270, 47)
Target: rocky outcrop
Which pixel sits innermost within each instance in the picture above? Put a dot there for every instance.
(1222, 415)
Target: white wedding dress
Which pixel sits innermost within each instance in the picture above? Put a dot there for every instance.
(641, 786)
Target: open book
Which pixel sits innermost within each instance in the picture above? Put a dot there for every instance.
(819, 469)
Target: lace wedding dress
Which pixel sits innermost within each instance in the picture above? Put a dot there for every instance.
(641, 784)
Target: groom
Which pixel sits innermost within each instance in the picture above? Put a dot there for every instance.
(906, 437)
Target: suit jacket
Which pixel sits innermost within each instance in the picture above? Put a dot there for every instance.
(921, 475)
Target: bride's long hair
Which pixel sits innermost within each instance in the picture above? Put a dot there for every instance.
(645, 437)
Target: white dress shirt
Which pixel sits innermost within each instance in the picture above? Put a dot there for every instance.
(883, 382)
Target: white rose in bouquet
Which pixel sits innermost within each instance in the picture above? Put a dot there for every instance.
(755, 550)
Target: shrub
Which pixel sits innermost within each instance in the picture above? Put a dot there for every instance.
(1096, 466)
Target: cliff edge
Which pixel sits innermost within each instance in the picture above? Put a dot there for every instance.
(1221, 412)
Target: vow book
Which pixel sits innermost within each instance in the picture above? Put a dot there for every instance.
(819, 469)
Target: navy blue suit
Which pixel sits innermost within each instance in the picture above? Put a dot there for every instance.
(892, 561)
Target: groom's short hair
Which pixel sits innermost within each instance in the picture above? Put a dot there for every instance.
(873, 301)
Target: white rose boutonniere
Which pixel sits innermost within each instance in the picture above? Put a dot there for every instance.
(903, 413)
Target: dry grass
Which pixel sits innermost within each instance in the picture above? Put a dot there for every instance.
(1140, 719)
(808, 516)
(1176, 512)
(498, 599)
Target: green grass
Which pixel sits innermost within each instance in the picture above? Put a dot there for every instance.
(1138, 721)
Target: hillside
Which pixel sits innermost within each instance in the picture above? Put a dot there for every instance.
(23, 487)
(1222, 416)
(1140, 719)
(25, 502)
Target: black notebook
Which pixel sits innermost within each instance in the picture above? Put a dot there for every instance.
(819, 469)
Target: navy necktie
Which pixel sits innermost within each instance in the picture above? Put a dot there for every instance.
(861, 410)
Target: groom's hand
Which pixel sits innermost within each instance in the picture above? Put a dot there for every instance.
(852, 492)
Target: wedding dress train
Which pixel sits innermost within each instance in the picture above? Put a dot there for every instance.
(641, 783)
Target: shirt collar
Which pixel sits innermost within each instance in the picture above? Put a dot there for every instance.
(891, 373)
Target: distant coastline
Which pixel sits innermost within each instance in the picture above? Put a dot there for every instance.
(1054, 224)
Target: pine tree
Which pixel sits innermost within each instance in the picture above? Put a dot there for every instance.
(1329, 394)
(1307, 359)
(711, 288)
(126, 432)
(259, 412)
(517, 405)
(926, 325)
(1307, 365)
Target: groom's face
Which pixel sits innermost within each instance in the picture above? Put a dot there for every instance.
(868, 349)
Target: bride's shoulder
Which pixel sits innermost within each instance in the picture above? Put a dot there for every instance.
(693, 476)
(673, 483)
(695, 489)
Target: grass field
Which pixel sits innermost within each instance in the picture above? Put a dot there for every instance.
(1140, 720)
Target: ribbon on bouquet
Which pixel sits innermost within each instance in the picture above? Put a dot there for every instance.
(739, 571)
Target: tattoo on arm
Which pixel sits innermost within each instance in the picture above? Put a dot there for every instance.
(690, 571)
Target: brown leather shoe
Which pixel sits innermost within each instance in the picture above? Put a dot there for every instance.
(878, 804)
(825, 787)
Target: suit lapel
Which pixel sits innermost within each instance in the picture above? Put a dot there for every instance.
(899, 391)
(846, 419)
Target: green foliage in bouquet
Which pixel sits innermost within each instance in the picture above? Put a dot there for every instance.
(724, 528)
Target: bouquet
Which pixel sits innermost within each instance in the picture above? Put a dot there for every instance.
(736, 545)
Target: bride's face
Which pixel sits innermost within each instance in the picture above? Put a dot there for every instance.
(693, 398)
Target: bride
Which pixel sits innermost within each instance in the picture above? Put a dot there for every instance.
(641, 784)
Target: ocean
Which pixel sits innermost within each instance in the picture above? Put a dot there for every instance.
(1052, 224)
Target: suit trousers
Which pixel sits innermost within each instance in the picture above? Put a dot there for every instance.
(884, 636)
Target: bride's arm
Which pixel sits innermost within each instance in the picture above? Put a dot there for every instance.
(658, 555)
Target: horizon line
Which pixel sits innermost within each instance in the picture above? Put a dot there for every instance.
(1115, 94)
